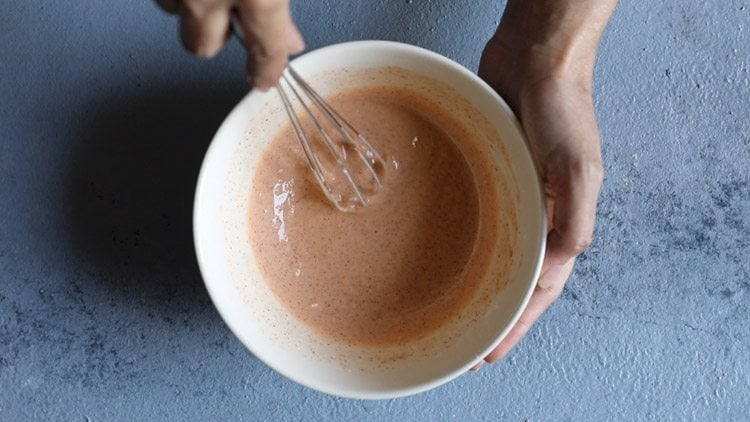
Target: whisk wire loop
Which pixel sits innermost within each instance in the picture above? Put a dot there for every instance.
(367, 154)
(312, 159)
(371, 160)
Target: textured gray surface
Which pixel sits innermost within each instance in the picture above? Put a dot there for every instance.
(103, 123)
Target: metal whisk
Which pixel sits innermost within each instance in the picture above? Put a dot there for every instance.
(347, 140)
(340, 145)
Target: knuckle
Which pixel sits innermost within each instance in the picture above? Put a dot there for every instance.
(589, 169)
(267, 52)
(579, 244)
(554, 291)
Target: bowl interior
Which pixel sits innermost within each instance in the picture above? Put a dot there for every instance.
(252, 311)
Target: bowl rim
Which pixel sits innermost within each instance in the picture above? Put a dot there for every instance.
(216, 296)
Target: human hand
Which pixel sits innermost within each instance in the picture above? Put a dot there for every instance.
(270, 34)
(548, 83)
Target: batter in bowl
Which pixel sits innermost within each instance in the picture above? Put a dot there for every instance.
(402, 267)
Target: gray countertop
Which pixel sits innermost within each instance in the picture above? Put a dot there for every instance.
(103, 316)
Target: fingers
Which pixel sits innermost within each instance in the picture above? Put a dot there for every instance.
(264, 23)
(270, 36)
(204, 26)
(560, 121)
(575, 198)
(566, 140)
(540, 300)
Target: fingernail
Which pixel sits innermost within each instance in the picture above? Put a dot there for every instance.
(477, 367)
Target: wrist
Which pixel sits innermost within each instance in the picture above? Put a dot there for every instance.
(528, 66)
(547, 40)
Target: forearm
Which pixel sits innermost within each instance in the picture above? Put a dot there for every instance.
(548, 38)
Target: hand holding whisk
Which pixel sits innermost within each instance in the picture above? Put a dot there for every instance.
(332, 147)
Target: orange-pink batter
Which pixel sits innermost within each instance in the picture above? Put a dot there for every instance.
(400, 268)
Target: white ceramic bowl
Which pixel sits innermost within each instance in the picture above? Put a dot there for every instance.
(252, 312)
